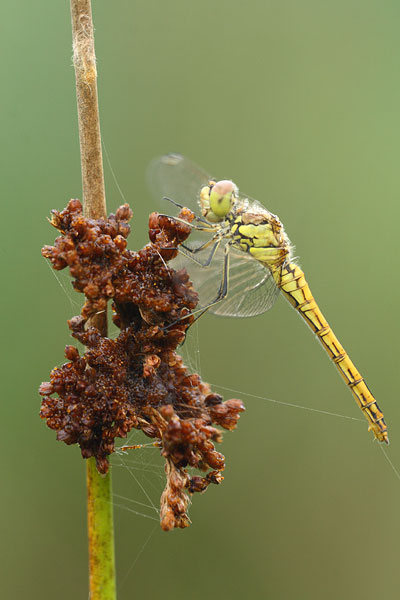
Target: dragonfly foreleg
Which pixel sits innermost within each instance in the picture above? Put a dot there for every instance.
(196, 218)
(173, 202)
(210, 227)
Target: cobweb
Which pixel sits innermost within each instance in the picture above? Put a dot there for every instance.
(138, 475)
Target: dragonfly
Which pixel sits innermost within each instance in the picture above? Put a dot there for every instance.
(247, 261)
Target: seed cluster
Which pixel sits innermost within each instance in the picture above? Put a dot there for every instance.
(136, 380)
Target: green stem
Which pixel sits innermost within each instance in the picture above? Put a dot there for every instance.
(101, 534)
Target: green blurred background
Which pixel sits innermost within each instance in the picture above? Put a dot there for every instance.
(299, 103)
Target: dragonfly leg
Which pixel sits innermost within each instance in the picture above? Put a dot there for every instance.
(189, 252)
(173, 202)
(222, 292)
(223, 289)
(210, 227)
(198, 219)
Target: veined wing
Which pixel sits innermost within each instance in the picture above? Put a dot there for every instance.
(252, 289)
(178, 178)
(253, 205)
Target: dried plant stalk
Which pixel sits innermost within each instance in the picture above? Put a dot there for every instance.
(100, 517)
(94, 198)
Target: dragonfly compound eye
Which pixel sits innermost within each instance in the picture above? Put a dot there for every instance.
(222, 197)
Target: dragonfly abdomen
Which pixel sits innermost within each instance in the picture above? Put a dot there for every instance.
(296, 289)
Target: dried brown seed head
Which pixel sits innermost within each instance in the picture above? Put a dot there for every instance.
(136, 380)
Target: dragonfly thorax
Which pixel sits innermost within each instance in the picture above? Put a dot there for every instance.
(262, 235)
(217, 199)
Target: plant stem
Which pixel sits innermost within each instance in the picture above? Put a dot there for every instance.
(94, 198)
(101, 534)
(99, 492)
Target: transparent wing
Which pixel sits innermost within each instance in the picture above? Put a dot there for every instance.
(252, 289)
(253, 205)
(178, 178)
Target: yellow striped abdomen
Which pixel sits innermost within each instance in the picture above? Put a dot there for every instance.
(293, 284)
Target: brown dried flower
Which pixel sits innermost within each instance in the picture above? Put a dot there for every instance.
(136, 380)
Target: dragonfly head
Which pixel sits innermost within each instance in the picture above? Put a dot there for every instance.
(217, 199)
